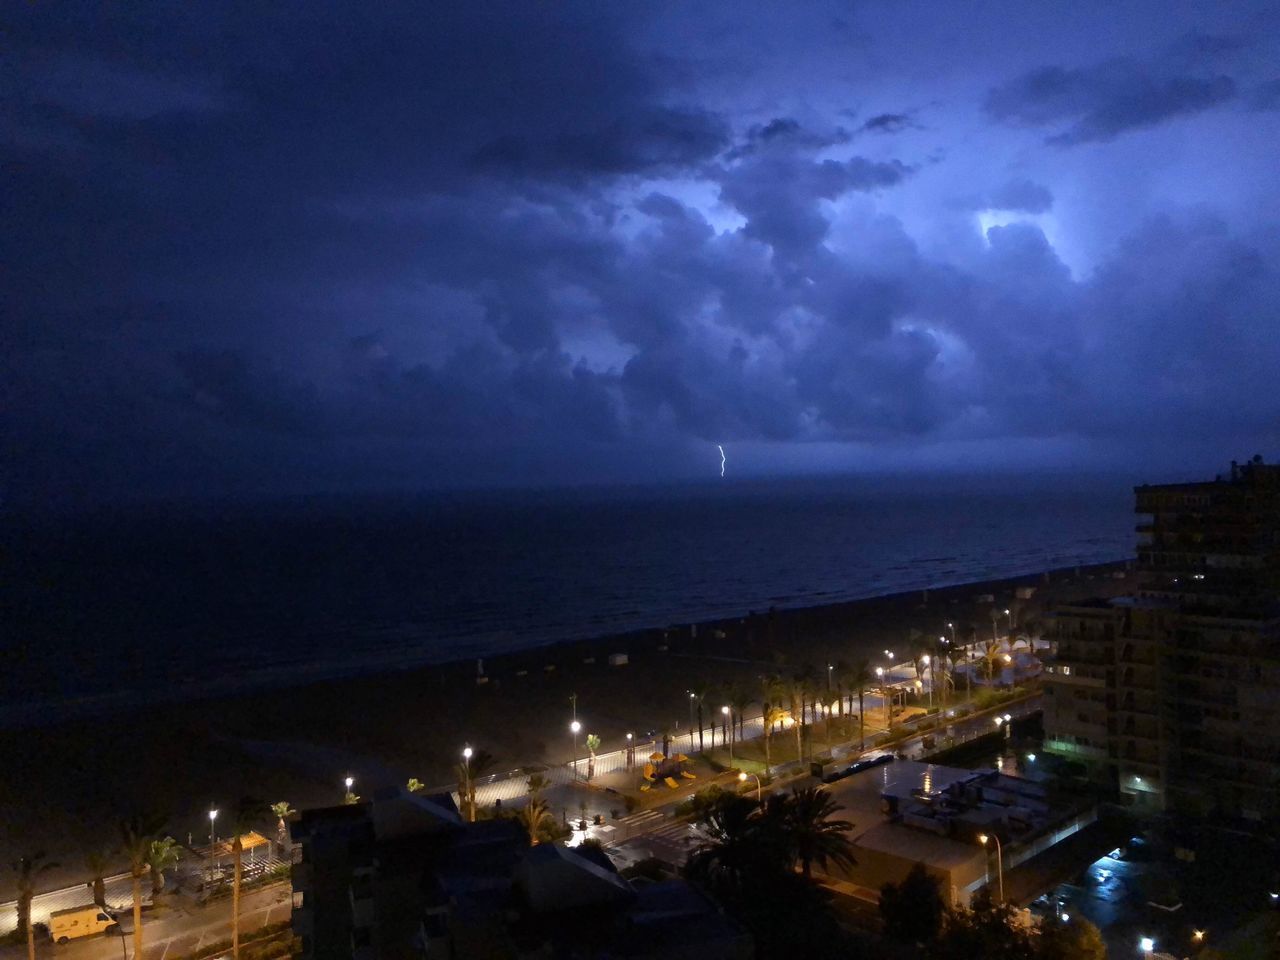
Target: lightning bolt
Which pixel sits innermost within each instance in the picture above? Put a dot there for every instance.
(721, 449)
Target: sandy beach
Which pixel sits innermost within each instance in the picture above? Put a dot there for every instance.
(65, 786)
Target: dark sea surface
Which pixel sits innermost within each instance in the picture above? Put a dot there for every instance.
(187, 600)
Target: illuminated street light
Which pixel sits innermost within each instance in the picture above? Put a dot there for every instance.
(213, 815)
(742, 778)
(575, 728)
(1197, 936)
(466, 783)
(1147, 945)
(728, 714)
(983, 838)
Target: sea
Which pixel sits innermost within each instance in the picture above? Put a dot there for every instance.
(107, 609)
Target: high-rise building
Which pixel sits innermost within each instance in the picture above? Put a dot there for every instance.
(1173, 693)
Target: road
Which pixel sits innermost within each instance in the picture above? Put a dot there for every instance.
(656, 833)
(179, 931)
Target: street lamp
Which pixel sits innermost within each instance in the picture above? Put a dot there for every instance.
(346, 797)
(742, 778)
(926, 659)
(1147, 945)
(983, 838)
(830, 669)
(728, 718)
(213, 815)
(575, 727)
(884, 695)
(466, 770)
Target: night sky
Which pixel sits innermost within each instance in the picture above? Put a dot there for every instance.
(254, 249)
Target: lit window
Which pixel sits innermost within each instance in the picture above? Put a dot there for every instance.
(1066, 671)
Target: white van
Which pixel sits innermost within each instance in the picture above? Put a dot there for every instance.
(75, 922)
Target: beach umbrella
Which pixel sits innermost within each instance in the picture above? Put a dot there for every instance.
(655, 757)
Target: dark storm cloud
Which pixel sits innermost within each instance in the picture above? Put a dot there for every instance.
(255, 249)
(889, 123)
(1099, 103)
(1022, 195)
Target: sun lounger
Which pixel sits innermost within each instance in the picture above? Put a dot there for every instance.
(688, 776)
(672, 783)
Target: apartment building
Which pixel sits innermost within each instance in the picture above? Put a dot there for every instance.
(1172, 694)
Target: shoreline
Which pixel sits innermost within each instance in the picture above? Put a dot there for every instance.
(283, 678)
(77, 778)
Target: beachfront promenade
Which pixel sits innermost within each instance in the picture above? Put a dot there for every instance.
(512, 787)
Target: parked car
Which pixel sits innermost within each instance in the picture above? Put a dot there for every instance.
(866, 763)
(76, 922)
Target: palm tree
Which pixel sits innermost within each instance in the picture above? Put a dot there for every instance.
(740, 697)
(136, 835)
(247, 812)
(812, 835)
(282, 812)
(29, 868)
(741, 846)
(861, 677)
(886, 693)
(795, 697)
(699, 698)
(161, 855)
(991, 653)
(593, 744)
(919, 650)
(955, 658)
(533, 816)
(773, 714)
(98, 864)
(536, 784)
(829, 699)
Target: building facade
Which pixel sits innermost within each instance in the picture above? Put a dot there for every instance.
(1172, 694)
